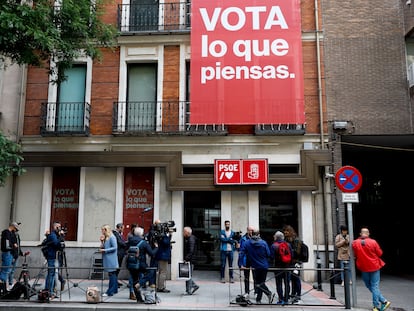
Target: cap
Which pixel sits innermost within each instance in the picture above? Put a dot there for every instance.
(15, 225)
(279, 235)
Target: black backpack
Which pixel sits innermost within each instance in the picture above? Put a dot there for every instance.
(16, 292)
(133, 257)
(304, 252)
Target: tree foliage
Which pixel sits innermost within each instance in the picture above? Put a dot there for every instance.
(10, 159)
(36, 32)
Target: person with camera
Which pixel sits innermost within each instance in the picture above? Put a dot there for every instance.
(54, 244)
(163, 257)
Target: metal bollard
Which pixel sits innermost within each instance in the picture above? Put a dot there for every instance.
(319, 273)
(346, 286)
(332, 280)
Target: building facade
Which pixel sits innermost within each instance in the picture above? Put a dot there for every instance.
(115, 142)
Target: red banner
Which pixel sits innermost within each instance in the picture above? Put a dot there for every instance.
(246, 62)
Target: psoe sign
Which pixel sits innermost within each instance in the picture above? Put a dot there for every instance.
(241, 172)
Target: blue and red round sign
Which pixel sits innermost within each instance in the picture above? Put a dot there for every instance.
(348, 179)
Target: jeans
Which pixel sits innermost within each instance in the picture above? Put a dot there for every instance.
(51, 274)
(190, 284)
(226, 255)
(113, 283)
(296, 285)
(12, 270)
(282, 280)
(372, 281)
(341, 263)
(6, 262)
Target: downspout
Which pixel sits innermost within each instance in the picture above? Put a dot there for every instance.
(19, 131)
(322, 134)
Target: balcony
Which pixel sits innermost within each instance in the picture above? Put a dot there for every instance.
(154, 17)
(65, 119)
(154, 118)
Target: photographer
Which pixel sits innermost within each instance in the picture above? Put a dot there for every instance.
(54, 244)
(163, 256)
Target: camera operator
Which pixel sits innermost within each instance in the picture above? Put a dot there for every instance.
(54, 244)
(163, 256)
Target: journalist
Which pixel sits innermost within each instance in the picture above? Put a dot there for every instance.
(53, 242)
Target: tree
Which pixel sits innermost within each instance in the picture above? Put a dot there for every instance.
(53, 32)
(10, 159)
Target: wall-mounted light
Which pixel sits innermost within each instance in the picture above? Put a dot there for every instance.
(340, 125)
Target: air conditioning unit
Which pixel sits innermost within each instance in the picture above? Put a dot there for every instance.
(410, 75)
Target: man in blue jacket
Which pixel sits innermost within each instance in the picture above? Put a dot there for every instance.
(257, 253)
(227, 250)
(53, 243)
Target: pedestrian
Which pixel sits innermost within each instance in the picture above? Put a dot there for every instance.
(258, 255)
(109, 249)
(281, 251)
(137, 240)
(121, 244)
(296, 284)
(243, 261)
(190, 242)
(368, 260)
(9, 246)
(153, 236)
(227, 247)
(53, 247)
(16, 252)
(162, 258)
(343, 247)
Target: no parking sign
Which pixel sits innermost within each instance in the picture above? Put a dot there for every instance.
(348, 179)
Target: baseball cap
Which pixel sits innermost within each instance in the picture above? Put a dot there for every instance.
(15, 225)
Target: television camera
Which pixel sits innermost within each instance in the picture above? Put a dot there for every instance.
(161, 230)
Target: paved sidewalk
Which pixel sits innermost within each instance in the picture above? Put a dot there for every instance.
(218, 296)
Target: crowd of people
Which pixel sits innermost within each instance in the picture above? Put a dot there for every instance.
(254, 259)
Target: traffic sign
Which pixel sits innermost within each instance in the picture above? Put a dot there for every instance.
(348, 179)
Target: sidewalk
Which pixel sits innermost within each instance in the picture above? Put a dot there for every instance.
(218, 296)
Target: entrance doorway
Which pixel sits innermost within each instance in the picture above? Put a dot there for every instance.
(202, 212)
(277, 209)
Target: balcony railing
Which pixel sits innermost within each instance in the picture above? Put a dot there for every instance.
(154, 17)
(65, 119)
(163, 117)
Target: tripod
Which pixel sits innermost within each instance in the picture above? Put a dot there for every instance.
(24, 278)
(61, 258)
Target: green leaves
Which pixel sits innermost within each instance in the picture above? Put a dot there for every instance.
(36, 34)
(10, 159)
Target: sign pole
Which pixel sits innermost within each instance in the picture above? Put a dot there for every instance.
(352, 258)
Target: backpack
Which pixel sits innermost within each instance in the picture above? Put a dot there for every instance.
(44, 248)
(304, 252)
(283, 253)
(133, 256)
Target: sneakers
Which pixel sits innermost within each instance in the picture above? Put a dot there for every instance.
(271, 297)
(385, 305)
(195, 288)
(375, 309)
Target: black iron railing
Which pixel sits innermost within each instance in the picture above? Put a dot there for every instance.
(157, 117)
(65, 118)
(152, 16)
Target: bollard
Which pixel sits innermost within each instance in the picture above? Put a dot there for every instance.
(319, 273)
(346, 286)
(332, 280)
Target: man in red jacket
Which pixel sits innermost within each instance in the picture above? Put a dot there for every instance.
(368, 260)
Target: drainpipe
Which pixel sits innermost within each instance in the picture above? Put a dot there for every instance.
(322, 134)
(20, 111)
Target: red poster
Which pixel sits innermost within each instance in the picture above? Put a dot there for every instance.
(65, 200)
(246, 62)
(227, 172)
(255, 171)
(138, 197)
